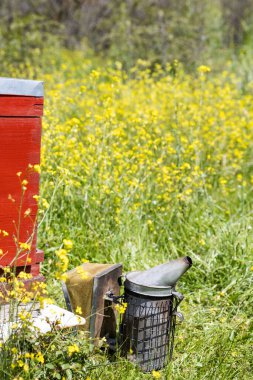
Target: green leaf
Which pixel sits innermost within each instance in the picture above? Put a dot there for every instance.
(69, 374)
(50, 365)
(65, 366)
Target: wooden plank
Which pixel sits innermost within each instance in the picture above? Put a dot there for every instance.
(28, 284)
(8, 311)
(19, 147)
(24, 259)
(39, 255)
(103, 314)
(21, 106)
(35, 269)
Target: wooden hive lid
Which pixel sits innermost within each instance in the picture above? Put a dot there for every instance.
(21, 87)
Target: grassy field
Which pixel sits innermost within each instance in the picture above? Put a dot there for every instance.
(144, 167)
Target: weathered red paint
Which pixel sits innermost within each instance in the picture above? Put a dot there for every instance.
(24, 106)
(35, 269)
(20, 136)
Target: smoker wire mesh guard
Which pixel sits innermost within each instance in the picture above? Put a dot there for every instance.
(147, 328)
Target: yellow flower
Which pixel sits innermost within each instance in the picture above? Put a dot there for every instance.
(20, 363)
(72, 349)
(64, 261)
(68, 244)
(25, 246)
(19, 174)
(45, 203)
(11, 198)
(204, 69)
(156, 374)
(83, 273)
(27, 212)
(78, 310)
(62, 276)
(24, 182)
(36, 168)
(40, 358)
(23, 275)
(121, 308)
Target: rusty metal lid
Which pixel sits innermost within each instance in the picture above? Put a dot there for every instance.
(22, 87)
(154, 291)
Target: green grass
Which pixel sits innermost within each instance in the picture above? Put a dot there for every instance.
(147, 167)
(216, 339)
(214, 226)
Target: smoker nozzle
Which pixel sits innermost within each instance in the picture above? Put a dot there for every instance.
(166, 274)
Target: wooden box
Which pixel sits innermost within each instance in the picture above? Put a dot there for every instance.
(21, 108)
(87, 287)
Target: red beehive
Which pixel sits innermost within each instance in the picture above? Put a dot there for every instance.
(21, 108)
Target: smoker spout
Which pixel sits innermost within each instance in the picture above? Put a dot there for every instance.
(166, 274)
(188, 260)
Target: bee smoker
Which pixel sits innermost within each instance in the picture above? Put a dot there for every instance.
(147, 327)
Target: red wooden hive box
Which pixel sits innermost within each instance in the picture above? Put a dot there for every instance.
(21, 108)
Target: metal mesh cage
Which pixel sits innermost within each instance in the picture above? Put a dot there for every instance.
(147, 330)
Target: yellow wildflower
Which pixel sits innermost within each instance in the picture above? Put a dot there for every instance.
(25, 246)
(27, 212)
(156, 374)
(204, 69)
(45, 203)
(83, 273)
(78, 310)
(36, 168)
(72, 349)
(68, 244)
(40, 358)
(121, 308)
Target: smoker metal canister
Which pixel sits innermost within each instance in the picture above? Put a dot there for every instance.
(148, 325)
